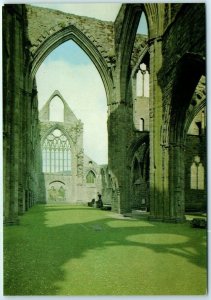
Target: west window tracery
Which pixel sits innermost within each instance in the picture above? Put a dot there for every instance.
(56, 152)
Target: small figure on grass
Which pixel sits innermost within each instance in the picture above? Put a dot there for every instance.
(91, 203)
(99, 202)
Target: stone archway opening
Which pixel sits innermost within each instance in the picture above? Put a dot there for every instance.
(78, 108)
(138, 162)
(182, 114)
(84, 33)
(56, 191)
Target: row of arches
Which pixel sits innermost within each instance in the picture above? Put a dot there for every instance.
(56, 105)
(142, 83)
(143, 73)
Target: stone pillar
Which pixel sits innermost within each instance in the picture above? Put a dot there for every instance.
(155, 123)
(22, 150)
(119, 134)
(19, 140)
(12, 90)
(176, 183)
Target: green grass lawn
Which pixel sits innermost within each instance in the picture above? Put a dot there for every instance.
(71, 250)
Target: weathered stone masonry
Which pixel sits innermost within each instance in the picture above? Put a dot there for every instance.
(183, 64)
(77, 188)
(22, 172)
(175, 51)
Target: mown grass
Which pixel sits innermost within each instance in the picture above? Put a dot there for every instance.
(69, 250)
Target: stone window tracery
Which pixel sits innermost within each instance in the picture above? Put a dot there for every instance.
(56, 153)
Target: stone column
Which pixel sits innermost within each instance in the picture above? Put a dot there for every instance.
(176, 182)
(119, 134)
(14, 134)
(155, 123)
(22, 154)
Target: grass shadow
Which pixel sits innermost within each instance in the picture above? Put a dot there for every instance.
(77, 251)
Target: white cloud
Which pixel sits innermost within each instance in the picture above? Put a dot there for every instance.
(83, 90)
(102, 11)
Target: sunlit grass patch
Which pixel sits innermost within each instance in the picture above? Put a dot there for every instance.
(72, 250)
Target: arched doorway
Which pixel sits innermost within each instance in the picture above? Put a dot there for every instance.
(56, 191)
(138, 162)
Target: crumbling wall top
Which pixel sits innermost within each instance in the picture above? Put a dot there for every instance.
(44, 22)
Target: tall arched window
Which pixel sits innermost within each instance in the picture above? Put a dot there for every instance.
(142, 81)
(56, 110)
(142, 75)
(90, 177)
(56, 152)
(197, 175)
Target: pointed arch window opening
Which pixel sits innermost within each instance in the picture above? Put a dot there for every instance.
(56, 110)
(142, 81)
(90, 177)
(56, 153)
(197, 174)
(82, 57)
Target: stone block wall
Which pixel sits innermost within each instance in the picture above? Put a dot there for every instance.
(23, 182)
(141, 111)
(182, 36)
(99, 32)
(139, 191)
(195, 199)
(183, 50)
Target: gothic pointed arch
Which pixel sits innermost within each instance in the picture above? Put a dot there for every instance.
(198, 102)
(57, 126)
(153, 13)
(191, 66)
(138, 162)
(56, 110)
(73, 33)
(90, 177)
(68, 114)
(136, 144)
